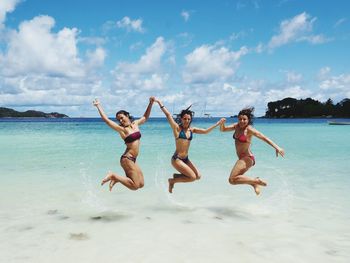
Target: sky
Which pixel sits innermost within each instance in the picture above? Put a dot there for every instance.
(219, 56)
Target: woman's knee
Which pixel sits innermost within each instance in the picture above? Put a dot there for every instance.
(232, 180)
(192, 177)
(140, 185)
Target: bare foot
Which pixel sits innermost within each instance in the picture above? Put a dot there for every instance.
(257, 189)
(107, 178)
(260, 182)
(171, 185)
(111, 184)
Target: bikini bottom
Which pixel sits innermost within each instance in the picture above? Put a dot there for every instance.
(128, 157)
(185, 160)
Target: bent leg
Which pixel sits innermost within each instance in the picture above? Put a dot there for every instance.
(134, 177)
(113, 178)
(194, 169)
(138, 177)
(187, 174)
(237, 175)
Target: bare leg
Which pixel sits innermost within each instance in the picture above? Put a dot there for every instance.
(187, 174)
(171, 185)
(194, 169)
(133, 180)
(115, 178)
(237, 175)
(111, 184)
(108, 178)
(176, 175)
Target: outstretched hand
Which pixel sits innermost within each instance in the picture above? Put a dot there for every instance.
(152, 99)
(221, 121)
(279, 151)
(96, 102)
(158, 101)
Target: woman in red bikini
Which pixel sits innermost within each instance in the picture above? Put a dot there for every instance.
(183, 133)
(129, 131)
(243, 134)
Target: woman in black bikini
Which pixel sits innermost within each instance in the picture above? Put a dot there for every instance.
(183, 136)
(130, 133)
(243, 136)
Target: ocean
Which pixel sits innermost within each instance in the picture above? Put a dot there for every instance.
(53, 208)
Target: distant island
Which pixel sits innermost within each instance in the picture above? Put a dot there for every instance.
(10, 113)
(307, 108)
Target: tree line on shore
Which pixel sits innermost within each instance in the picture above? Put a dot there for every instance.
(307, 108)
(10, 113)
(286, 108)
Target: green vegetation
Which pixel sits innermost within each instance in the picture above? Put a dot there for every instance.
(10, 113)
(308, 108)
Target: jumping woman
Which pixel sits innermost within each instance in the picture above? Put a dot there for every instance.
(243, 134)
(129, 131)
(183, 133)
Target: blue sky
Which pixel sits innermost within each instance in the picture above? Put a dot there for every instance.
(220, 56)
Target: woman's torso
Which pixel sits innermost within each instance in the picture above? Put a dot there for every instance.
(242, 139)
(131, 137)
(183, 139)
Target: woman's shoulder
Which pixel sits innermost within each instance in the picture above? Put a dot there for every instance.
(251, 129)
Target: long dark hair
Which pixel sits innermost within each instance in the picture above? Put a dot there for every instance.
(127, 114)
(249, 113)
(182, 113)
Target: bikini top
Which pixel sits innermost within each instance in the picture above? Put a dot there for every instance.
(182, 135)
(132, 137)
(241, 138)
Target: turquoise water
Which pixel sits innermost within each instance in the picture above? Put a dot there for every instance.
(52, 204)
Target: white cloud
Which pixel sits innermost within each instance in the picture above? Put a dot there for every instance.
(146, 74)
(220, 99)
(340, 21)
(323, 73)
(35, 49)
(185, 15)
(185, 39)
(211, 63)
(96, 58)
(297, 29)
(149, 62)
(340, 83)
(334, 87)
(6, 6)
(314, 39)
(41, 67)
(96, 41)
(293, 91)
(31, 98)
(240, 34)
(136, 46)
(131, 25)
(293, 77)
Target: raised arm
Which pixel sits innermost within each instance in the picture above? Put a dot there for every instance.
(207, 130)
(171, 121)
(145, 116)
(224, 128)
(104, 117)
(261, 136)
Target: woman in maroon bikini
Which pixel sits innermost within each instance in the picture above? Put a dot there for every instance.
(129, 131)
(243, 136)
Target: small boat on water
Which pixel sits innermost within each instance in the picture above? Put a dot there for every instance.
(338, 123)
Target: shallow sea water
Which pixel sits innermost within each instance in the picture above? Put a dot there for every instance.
(53, 209)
